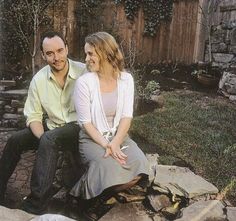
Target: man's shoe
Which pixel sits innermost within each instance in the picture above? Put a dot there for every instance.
(33, 207)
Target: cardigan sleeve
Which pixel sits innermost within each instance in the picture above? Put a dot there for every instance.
(128, 98)
(82, 101)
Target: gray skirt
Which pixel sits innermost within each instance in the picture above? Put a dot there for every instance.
(101, 172)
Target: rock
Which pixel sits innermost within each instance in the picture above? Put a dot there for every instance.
(232, 49)
(8, 83)
(157, 217)
(219, 47)
(52, 217)
(16, 103)
(231, 213)
(14, 215)
(223, 58)
(15, 94)
(2, 104)
(12, 116)
(155, 72)
(171, 212)
(20, 110)
(181, 181)
(129, 211)
(219, 36)
(153, 161)
(124, 197)
(5, 129)
(137, 190)
(232, 97)
(158, 99)
(220, 65)
(203, 210)
(158, 202)
(228, 83)
(9, 109)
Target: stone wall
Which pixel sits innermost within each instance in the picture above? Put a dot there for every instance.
(11, 105)
(223, 46)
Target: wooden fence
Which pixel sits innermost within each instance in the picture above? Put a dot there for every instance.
(181, 40)
(175, 40)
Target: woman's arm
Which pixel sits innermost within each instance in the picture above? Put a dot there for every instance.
(118, 139)
(125, 121)
(82, 106)
(95, 135)
(99, 139)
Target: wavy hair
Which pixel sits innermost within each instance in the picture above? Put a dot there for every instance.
(107, 49)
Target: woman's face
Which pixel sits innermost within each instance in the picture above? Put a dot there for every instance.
(92, 58)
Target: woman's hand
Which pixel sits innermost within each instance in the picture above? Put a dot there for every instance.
(113, 149)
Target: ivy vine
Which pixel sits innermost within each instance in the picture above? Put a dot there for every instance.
(155, 11)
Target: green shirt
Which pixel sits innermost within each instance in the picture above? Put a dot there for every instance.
(45, 96)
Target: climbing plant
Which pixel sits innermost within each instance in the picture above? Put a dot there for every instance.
(88, 14)
(155, 11)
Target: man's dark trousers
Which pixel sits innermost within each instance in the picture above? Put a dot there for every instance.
(48, 146)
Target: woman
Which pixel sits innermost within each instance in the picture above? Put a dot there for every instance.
(104, 104)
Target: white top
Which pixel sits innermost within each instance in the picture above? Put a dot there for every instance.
(109, 101)
(89, 106)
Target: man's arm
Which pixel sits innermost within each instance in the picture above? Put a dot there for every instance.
(37, 128)
(33, 111)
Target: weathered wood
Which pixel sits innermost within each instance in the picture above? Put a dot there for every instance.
(179, 40)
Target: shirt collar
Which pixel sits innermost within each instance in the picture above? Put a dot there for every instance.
(71, 72)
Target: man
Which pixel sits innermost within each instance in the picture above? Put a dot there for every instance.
(50, 94)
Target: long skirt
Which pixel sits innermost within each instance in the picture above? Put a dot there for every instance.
(102, 173)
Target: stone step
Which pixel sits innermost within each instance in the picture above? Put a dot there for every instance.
(8, 83)
(15, 94)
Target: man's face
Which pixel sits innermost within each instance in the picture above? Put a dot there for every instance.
(55, 53)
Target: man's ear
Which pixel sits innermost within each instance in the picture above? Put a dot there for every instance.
(42, 54)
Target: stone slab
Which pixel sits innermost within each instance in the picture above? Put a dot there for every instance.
(14, 93)
(8, 83)
(203, 210)
(12, 116)
(153, 161)
(128, 211)
(14, 215)
(182, 181)
(231, 213)
(224, 58)
(52, 217)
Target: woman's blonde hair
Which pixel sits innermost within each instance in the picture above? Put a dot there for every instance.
(107, 49)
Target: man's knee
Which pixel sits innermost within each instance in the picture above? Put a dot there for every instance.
(46, 139)
(22, 140)
(15, 142)
(49, 140)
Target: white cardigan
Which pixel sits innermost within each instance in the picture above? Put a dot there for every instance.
(88, 101)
